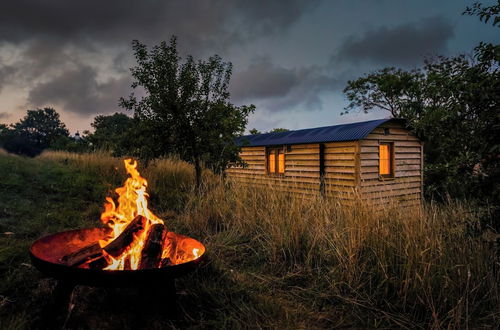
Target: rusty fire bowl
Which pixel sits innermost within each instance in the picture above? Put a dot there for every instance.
(46, 254)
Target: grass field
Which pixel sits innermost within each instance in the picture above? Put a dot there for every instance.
(273, 261)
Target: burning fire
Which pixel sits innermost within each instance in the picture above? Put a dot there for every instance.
(133, 202)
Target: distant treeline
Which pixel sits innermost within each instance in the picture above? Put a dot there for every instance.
(43, 129)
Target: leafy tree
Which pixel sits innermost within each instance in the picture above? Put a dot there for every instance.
(111, 133)
(485, 13)
(255, 131)
(4, 131)
(454, 105)
(71, 144)
(186, 108)
(279, 130)
(36, 131)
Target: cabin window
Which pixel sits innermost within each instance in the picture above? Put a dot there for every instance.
(386, 160)
(275, 161)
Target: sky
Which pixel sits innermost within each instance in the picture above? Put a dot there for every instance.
(291, 58)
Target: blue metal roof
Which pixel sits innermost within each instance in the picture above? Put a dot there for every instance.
(344, 132)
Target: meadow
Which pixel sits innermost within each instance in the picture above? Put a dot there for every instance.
(274, 260)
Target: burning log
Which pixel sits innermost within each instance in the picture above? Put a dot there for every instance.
(98, 263)
(153, 248)
(83, 255)
(121, 243)
(165, 262)
(169, 250)
(127, 265)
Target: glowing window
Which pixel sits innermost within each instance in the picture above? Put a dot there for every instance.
(272, 163)
(275, 161)
(386, 168)
(281, 163)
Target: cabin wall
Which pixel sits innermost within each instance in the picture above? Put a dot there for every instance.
(301, 169)
(406, 186)
(341, 169)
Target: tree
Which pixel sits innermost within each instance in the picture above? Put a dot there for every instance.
(279, 130)
(111, 133)
(186, 108)
(254, 131)
(36, 131)
(485, 13)
(453, 104)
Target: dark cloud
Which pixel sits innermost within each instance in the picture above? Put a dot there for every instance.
(79, 91)
(4, 115)
(199, 22)
(62, 45)
(401, 45)
(6, 73)
(263, 79)
(279, 88)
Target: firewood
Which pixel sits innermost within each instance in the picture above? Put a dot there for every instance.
(121, 243)
(165, 262)
(127, 264)
(170, 249)
(153, 247)
(82, 255)
(98, 263)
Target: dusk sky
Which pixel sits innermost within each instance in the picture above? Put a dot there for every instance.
(291, 59)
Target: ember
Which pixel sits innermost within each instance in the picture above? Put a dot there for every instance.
(138, 239)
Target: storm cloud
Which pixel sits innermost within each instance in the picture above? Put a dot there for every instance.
(404, 45)
(263, 79)
(279, 88)
(76, 55)
(198, 22)
(78, 91)
(290, 56)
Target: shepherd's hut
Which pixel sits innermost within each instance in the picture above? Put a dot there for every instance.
(373, 160)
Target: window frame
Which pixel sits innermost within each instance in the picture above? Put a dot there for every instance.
(277, 150)
(392, 161)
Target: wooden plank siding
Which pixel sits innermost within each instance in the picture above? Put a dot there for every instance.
(341, 173)
(301, 169)
(406, 186)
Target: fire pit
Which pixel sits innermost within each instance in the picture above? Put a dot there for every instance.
(133, 250)
(47, 255)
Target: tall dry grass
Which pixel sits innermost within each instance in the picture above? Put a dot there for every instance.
(399, 267)
(396, 267)
(170, 180)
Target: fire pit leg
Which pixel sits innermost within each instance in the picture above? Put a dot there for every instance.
(57, 310)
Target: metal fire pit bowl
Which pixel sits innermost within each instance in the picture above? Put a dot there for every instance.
(46, 254)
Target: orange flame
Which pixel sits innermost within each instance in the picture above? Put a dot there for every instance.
(133, 201)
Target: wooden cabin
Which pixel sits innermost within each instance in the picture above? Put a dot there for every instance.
(372, 160)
